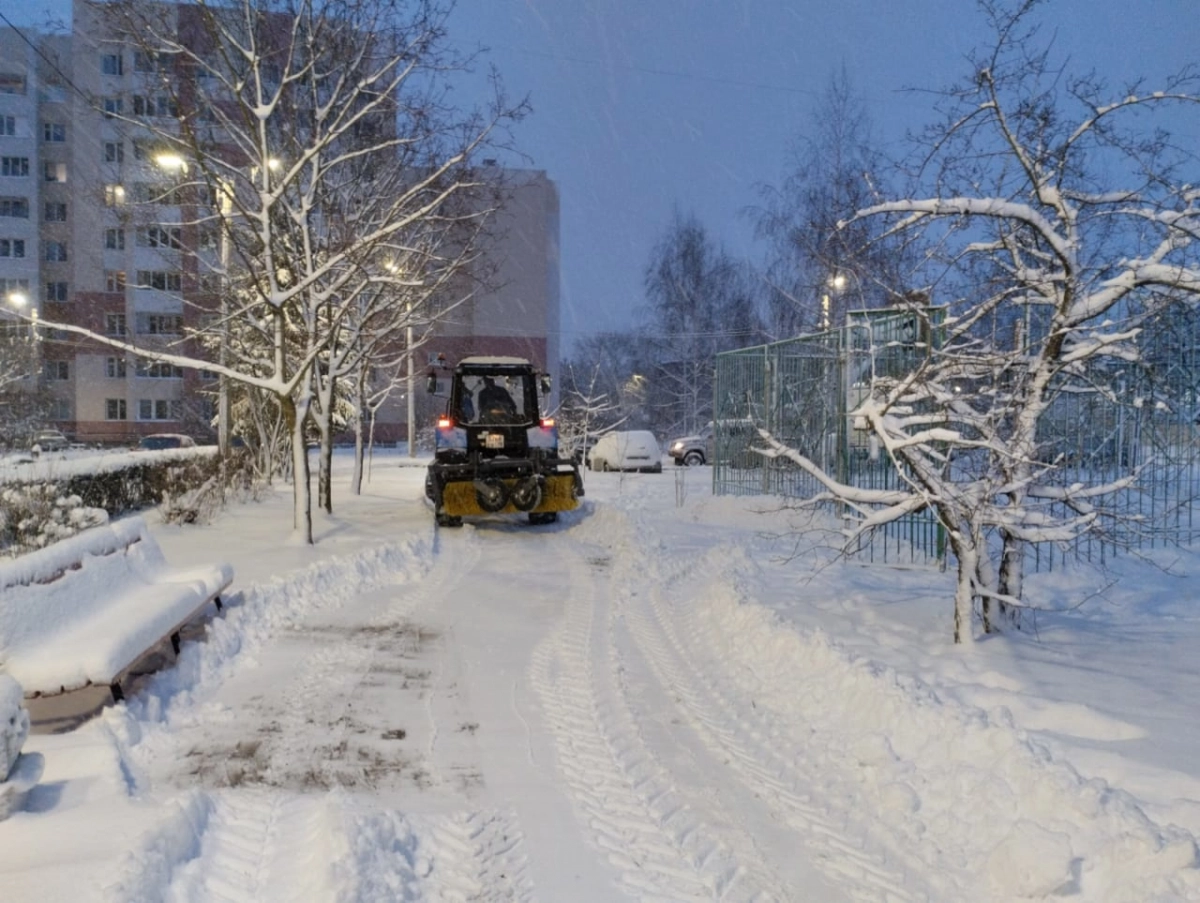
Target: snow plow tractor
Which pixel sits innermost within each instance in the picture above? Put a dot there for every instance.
(494, 453)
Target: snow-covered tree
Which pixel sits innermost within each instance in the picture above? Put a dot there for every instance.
(814, 271)
(315, 146)
(1079, 222)
(699, 301)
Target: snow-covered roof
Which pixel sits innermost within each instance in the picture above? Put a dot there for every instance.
(496, 360)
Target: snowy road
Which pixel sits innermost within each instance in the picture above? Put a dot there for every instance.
(519, 699)
(604, 709)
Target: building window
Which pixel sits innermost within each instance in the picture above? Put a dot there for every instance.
(60, 409)
(12, 83)
(55, 132)
(114, 324)
(158, 370)
(56, 370)
(159, 409)
(113, 106)
(12, 247)
(155, 193)
(155, 106)
(55, 212)
(148, 61)
(114, 195)
(14, 285)
(8, 126)
(17, 208)
(57, 291)
(114, 152)
(159, 324)
(114, 367)
(114, 239)
(56, 251)
(160, 237)
(55, 172)
(114, 409)
(110, 64)
(160, 280)
(14, 166)
(114, 280)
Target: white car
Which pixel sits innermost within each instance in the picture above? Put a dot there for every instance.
(626, 450)
(49, 440)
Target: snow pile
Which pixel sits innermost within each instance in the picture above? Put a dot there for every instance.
(14, 724)
(965, 788)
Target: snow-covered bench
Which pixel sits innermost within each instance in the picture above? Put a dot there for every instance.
(83, 611)
(18, 773)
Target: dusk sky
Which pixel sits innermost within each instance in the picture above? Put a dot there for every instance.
(644, 105)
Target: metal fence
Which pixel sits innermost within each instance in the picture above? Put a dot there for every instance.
(1101, 426)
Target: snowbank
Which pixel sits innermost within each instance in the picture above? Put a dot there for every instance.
(14, 724)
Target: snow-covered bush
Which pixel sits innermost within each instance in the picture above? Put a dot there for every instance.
(33, 516)
(14, 724)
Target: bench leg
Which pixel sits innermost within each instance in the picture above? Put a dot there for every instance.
(217, 601)
(117, 693)
(175, 641)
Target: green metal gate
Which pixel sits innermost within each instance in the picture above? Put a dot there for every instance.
(1101, 426)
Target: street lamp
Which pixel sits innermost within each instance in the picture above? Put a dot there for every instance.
(411, 395)
(837, 284)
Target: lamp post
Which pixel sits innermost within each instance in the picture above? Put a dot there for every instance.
(412, 398)
(837, 284)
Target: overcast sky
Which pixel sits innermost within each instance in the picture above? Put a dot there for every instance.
(644, 105)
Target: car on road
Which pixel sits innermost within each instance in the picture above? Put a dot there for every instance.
(49, 440)
(626, 450)
(160, 441)
(691, 451)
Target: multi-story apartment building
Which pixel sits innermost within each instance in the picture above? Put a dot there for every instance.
(92, 234)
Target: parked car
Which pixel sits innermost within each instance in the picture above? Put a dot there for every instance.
(626, 450)
(738, 438)
(49, 440)
(159, 441)
(693, 450)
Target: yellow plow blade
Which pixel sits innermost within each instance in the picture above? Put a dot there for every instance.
(458, 498)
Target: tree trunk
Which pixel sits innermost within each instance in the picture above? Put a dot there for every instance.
(296, 412)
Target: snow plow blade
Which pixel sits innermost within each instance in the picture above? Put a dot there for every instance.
(460, 499)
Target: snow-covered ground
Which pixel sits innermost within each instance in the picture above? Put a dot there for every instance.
(646, 701)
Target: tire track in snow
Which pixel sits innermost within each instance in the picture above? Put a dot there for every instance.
(763, 755)
(736, 734)
(261, 847)
(652, 831)
(476, 856)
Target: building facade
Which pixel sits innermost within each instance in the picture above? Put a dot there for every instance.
(93, 234)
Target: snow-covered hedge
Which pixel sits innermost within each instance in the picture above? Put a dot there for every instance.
(43, 504)
(32, 517)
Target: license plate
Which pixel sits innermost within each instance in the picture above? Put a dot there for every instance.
(493, 440)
